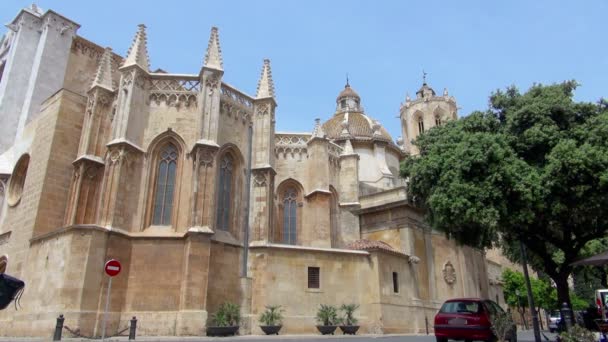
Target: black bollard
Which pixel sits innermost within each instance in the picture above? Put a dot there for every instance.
(426, 324)
(133, 328)
(58, 328)
(566, 316)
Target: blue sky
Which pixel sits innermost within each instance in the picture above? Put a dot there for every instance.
(470, 47)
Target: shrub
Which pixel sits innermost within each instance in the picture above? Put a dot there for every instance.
(349, 310)
(227, 315)
(327, 315)
(501, 325)
(272, 315)
(577, 334)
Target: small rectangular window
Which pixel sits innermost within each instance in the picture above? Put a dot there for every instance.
(395, 282)
(313, 277)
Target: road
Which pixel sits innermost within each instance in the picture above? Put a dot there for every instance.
(523, 336)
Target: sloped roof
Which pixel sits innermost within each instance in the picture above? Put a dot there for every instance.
(373, 245)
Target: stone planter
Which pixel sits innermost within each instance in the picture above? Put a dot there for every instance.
(271, 329)
(349, 329)
(327, 329)
(222, 331)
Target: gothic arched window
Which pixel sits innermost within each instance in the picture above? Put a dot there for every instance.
(420, 125)
(437, 120)
(224, 191)
(165, 185)
(290, 215)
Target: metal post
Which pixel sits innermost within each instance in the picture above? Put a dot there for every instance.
(566, 316)
(132, 328)
(524, 260)
(105, 314)
(426, 324)
(58, 328)
(247, 197)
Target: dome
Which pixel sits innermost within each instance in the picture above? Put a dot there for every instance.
(358, 125)
(347, 92)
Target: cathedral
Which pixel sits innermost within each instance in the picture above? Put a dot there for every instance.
(184, 180)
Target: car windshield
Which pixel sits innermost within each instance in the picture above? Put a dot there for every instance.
(460, 307)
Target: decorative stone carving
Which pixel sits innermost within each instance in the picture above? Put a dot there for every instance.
(235, 97)
(118, 155)
(263, 109)
(292, 144)
(414, 260)
(17, 182)
(82, 46)
(259, 178)
(449, 273)
(213, 81)
(127, 79)
(205, 156)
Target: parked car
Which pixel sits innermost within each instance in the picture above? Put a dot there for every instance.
(468, 319)
(554, 321)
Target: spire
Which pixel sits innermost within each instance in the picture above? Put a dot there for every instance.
(138, 52)
(103, 77)
(317, 132)
(213, 57)
(265, 84)
(348, 148)
(345, 133)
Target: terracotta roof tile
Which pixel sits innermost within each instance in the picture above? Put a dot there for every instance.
(370, 245)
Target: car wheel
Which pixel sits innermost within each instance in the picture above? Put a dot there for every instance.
(441, 339)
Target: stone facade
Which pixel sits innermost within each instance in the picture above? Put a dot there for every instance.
(102, 158)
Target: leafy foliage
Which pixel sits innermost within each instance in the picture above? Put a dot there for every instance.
(273, 315)
(327, 315)
(348, 318)
(502, 325)
(532, 168)
(545, 295)
(577, 334)
(227, 315)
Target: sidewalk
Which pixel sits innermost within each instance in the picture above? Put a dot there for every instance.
(226, 339)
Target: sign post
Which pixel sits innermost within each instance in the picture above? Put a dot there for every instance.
(112, 268)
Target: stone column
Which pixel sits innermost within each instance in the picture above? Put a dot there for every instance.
(193, 314)
(203, 186)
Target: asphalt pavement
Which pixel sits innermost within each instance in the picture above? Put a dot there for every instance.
(522, 336)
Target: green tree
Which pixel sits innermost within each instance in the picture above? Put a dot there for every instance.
(532, 168)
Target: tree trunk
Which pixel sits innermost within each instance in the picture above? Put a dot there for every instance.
(563, 292)
(540, 319)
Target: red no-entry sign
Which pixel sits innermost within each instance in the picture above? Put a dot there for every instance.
(112, 267)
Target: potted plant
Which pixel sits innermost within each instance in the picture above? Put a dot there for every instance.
(349, 322)
(271, 320)
(225, 320)
(327, 317)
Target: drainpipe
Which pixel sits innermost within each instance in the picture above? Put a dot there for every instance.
(247, 196)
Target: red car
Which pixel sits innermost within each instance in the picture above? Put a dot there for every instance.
(468, 319)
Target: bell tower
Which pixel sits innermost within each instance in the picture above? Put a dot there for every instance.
(424, 112)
